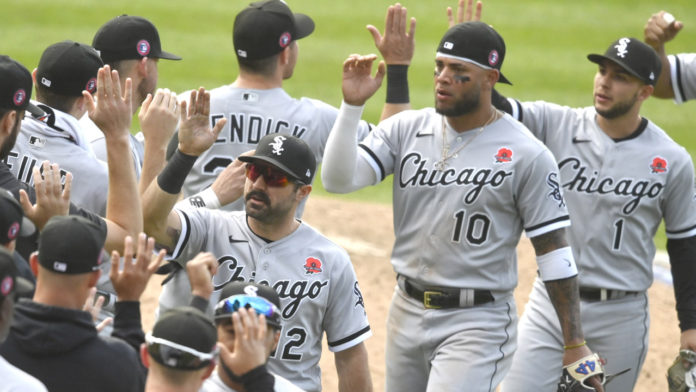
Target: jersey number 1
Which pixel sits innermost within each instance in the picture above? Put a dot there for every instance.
(477, 227)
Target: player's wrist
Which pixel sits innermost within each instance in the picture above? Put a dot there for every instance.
(397, 84)
(172, 177)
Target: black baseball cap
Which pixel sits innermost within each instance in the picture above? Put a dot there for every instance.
(10, 282)
(129, 37)
(286, 152)
(183, 338)
(265, 28)
(13, 223)
(251, 289)
(71, 245)
(16, 86)
(68, 67)
(636, 57)
(476, 43)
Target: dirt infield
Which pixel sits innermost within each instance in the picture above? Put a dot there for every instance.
(365, 230)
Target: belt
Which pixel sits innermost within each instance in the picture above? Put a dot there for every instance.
(443, 297)
(594, 294)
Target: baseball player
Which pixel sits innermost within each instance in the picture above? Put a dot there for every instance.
(467, 181)
(131, 45)
(64, 71)
(621, 176)
(678, 77)
(266, 244)
(265, 41)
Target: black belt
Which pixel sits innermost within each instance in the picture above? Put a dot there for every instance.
(441, 298)
(594, 294)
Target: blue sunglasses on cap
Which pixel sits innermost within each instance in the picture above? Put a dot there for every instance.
(226, 307)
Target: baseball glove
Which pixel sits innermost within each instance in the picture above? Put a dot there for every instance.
(574, 375)
(681, 376)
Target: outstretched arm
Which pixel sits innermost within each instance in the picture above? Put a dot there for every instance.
(158, 117)
(661, 28)
(353, 369)
(112, 113)
(195, 137)
(342, 171)
(565, 297)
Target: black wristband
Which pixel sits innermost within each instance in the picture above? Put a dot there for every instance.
(258, 379)
(397, 83)
(172, 177)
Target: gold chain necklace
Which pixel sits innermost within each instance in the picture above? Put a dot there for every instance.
(442, 163)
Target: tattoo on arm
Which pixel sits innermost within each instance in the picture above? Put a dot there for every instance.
(566, 301)
(549, 242)
(173, 235)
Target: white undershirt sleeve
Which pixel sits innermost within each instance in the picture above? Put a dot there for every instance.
(343, 170)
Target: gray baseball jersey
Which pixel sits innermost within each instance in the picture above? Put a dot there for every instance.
(459, 227)
(630, 186)
(252, 114)
(57, 138)
(682, 68)
(97, 142)
(313, 276)
(618, 192)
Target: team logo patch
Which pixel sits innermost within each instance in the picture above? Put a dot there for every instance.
(659, 165)
(493, 57)
(555, 193)
(19, 97)
(358, 294)
(285, 39)
(12, 232)
(91, 85)
(448, 45)
(6, 286)
(312, 265)
(504, 155)
(143, 47)
(278, 144)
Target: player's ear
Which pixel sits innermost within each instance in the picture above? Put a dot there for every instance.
(303, 191)
(7, 122)
(492, 76)
(645, 92)
(276, 339)
(143, 355)
(141, 67)
(34, 263)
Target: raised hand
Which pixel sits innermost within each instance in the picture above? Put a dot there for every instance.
(130, 282)
(200, 271)
(661, 28)
(464, 12)
(158, 117)
(249, 342)
(396, 45)
(111, 110)
(358, 83)
(51, 198)
(195, 134)
(94, 308)
(229, 184)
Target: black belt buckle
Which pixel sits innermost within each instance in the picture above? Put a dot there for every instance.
(429, 297)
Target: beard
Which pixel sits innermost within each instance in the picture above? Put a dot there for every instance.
(263, 211)
(462, 106)
(619, 109)
(11, 139)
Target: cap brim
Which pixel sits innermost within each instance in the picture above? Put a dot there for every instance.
(34, 110)
(503, 79)
(168, 56)
(28, 227)
(246, 158)
(304, 25)
(23, 287)
(598, 58)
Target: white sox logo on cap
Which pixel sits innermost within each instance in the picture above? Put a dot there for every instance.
(278, 144)
(251, 291)
(622, 47)
(143, 47)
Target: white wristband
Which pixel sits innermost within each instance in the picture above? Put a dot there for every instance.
(557, 264)
(206, 199)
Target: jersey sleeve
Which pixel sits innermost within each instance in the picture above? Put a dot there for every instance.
(379, 148)
(683, 75)
(679, 204)
(540, 198)
(345, 321)
(538, 116)
(194, 231)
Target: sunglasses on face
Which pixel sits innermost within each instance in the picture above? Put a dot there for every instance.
(271, 176)
(177, 356)
(260, 305)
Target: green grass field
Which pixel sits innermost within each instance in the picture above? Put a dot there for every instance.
(547, 43)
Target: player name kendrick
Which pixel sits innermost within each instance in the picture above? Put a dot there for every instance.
(249, 129)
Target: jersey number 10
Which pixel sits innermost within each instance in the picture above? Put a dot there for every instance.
(477, 227)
